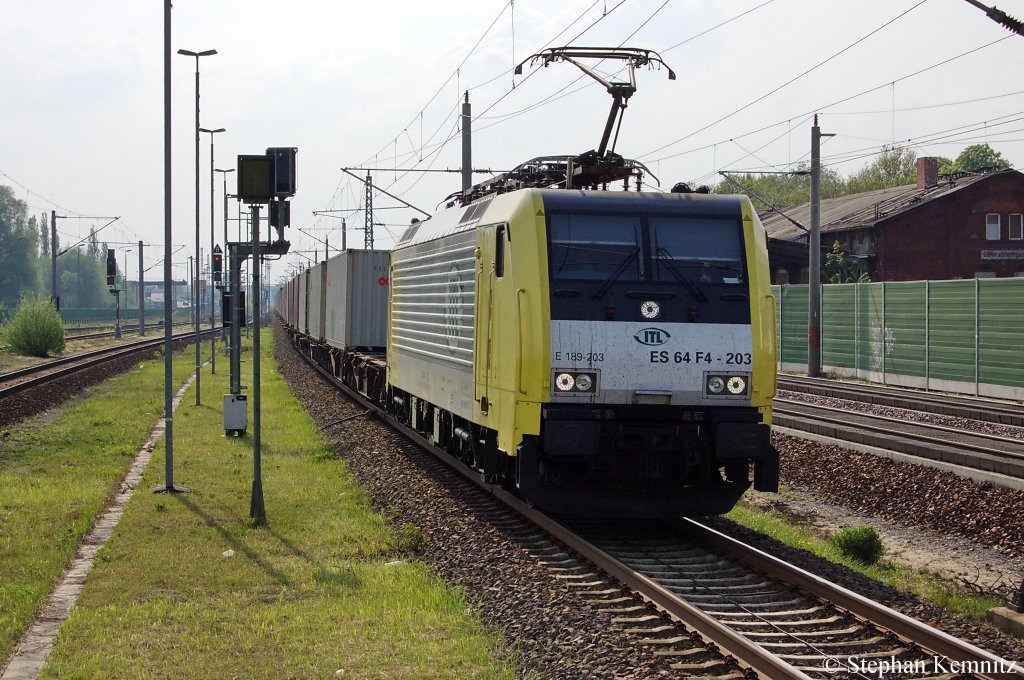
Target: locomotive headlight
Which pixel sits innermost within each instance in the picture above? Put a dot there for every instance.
(564, 382)
(584, 382)
(716, 384)
(736, 385)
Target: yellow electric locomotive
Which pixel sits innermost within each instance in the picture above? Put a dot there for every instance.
(603, 352)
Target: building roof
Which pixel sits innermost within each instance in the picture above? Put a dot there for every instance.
(865, 209)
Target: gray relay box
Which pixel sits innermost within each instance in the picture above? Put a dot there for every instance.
(236, 414)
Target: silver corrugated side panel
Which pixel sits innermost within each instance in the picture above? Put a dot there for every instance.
(314, 306)
(356, 308)
(302, 326)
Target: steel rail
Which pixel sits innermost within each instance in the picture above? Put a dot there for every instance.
(913, 631)
(68, 365)
(961, 406)
(841, 416)
(69, 335)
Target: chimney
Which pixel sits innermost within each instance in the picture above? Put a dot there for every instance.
(927, 172)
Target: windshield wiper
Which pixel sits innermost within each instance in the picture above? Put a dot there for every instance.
(690, 286)
(616, 274)
(694, 262)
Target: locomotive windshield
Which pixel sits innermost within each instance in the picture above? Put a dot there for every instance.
(629, 248)
(595, 247)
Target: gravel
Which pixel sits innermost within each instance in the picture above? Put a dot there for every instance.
(905, 493)
(551, 629)
(34, 400)
(552, 632)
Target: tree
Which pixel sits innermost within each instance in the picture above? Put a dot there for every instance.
(17, 249)
(838, 268)
(94, 246)
(980, 158)
(782, 189)
(945, 165)
(44, 236)
(895, 166)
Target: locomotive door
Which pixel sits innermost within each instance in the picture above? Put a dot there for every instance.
(489, 266)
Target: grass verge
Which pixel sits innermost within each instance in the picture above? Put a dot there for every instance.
(189, 587)
(56, 472)
(927, 587)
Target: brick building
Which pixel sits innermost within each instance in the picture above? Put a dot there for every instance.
(963, 227)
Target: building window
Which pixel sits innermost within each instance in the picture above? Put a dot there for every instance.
(992, 227)
(1016, 227)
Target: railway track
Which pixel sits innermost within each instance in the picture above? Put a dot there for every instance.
(106, 331)
(13, 382)
(780, 620)
(973, 408)
(767, 618)
(952, 446)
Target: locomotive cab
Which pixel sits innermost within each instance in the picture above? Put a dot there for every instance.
(656, 402)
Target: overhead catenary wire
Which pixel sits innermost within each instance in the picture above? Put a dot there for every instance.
(429, 151)
(826, 107)
(443, 143)
(787, 83)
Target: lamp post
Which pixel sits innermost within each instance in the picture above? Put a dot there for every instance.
(204, 53)
(226, 280)
(213, 243)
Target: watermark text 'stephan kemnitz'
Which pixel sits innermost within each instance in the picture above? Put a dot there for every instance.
(893, 666)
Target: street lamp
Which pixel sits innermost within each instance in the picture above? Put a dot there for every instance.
(213, 299)
(225, 276)
(204, 53)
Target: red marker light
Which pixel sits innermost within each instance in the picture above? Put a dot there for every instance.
(382, 281)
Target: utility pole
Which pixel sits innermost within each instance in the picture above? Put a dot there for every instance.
(53, 259)
(368, 228)
(169, 486)
(213, 241)
(191, 289)
(142, 296)
(467, 144)
(198, 258)
(814, 267)
(257, 510)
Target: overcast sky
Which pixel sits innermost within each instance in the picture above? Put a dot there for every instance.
(378, 84)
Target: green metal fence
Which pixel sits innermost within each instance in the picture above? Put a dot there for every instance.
(956, 336)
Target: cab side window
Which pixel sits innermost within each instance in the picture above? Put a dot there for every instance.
(499, 252)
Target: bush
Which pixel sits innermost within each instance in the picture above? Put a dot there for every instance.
(861, 543)
(35, 329)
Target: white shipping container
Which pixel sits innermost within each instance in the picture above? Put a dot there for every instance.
(315, 310)
(356, 306)
(303, 287)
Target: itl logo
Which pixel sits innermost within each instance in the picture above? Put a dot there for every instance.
(651, 336)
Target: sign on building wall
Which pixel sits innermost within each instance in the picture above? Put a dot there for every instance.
(1002, 254)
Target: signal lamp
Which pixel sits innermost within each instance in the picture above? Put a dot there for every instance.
(218, 264)
(111, 267)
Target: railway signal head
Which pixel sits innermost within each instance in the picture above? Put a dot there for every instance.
(218, 264)
(111, 267)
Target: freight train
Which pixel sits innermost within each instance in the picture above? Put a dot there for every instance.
(600, 352)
